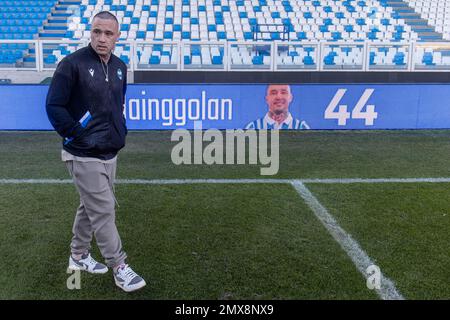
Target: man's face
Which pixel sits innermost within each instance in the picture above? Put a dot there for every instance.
(278, 97)
(104, 35)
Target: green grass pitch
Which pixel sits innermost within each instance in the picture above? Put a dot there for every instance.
(237, 241)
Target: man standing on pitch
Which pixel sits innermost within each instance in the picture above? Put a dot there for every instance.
(85, 105)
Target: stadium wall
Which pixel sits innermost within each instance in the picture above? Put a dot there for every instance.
(230, 106)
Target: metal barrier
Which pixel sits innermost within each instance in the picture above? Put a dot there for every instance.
(42, 55)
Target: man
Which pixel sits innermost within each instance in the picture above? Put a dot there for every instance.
(85, 105)
(278, 98)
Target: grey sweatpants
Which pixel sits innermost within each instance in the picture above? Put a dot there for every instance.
(96, 213)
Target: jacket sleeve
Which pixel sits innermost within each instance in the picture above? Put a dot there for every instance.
(58, 98)
(125, 99)
(125, 84)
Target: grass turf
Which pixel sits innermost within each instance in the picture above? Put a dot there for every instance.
(223, 241)
(405, 228)
(189, 242)
(314, 154)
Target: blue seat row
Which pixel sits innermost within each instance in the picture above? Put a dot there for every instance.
(12, 23)
(216, 60)
(18, 29)
(25, 9)
(12, 46)
(7, 59)
(130, 2)
(50, 59)
(16, 36)
(22, 15)
(27, 3)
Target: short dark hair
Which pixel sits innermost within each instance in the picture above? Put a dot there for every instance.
(278, 84)
(106, 15)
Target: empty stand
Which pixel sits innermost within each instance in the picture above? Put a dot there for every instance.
(162, 34)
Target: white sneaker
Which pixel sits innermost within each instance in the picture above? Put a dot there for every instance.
(87, 263)
(127, 279)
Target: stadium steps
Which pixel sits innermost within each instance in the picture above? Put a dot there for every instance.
(413, 19)
(56, 26)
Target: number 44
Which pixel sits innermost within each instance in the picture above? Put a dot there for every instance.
(342, 114)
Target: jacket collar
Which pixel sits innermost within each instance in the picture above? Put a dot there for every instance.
(96, 56)
(92, 51)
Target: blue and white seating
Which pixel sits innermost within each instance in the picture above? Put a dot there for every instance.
(170, 21)
(437, 13)
(211, 20)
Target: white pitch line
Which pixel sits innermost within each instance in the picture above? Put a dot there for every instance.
(362, 261)
(154, 181)
(234, 181)
(380, 180)
(203, 181)
(35, 181)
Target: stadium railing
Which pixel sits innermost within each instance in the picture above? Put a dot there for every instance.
(43, 55)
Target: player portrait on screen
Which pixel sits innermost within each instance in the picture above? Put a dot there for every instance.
(278, 99)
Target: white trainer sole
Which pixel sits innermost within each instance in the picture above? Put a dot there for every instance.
(74, 267)
(131, 288)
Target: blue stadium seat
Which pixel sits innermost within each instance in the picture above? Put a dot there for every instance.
(221, 35)
(257, 60)
(275, 36)
(372, 59)
(372, 36)
(301, 35)
(125, 59)
(140, 35)
(154, 60)
(308, 60)
(349, 28)
(327, 21)
(339, 15)
(361, 22)
(51, 59)
(217, 60)
(399, 59)
(195, 51)
(428, 59)
(323, 28)
(329, 59)
(248, 35)
(336, 36)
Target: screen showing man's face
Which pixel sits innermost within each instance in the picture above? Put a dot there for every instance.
(278, 97)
